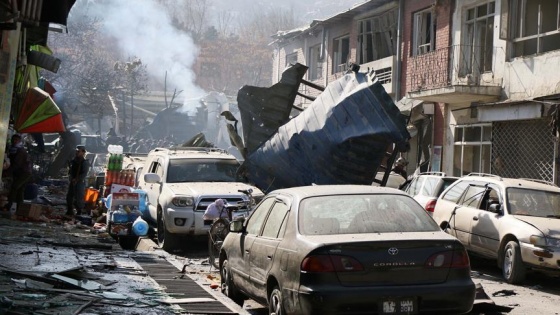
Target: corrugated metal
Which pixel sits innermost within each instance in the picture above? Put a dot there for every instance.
(263, 110)
(342, 138)
(167, 275)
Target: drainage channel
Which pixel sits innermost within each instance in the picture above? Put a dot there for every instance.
(165, 274)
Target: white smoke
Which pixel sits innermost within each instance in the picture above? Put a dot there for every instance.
(143, 29)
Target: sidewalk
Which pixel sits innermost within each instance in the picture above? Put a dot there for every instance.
(64, 268)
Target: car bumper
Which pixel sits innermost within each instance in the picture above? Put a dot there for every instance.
(448, 298)
(540, 258)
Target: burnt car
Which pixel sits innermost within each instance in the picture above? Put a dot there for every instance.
(345, 249)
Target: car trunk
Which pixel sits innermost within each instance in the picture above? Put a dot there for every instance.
(395, 262)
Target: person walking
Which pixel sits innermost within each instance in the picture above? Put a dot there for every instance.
(77, 173)
(20, 170)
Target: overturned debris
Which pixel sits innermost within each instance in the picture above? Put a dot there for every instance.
(343, 137)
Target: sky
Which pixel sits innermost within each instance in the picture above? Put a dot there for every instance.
(143, 29)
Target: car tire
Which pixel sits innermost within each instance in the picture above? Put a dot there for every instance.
(167, 241)
(275, 302)
(227, 286)
(513, 269)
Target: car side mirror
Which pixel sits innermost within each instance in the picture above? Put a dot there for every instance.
(237, 225)
(152, 178)
(495, 208)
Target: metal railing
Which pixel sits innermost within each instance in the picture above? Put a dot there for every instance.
(453, 65)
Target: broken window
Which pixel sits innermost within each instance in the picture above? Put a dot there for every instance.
(534, 26)
(424, 30)
(472, 149)
(341, 52)
(315, 63)
(478, 40)
(291, 59)
(377, 37)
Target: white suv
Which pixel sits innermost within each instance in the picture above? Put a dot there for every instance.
(181, 182)
(514, 221)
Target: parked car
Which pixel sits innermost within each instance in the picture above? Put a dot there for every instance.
(426, 188)
(513, 221)
(181, 182)
(344, 249)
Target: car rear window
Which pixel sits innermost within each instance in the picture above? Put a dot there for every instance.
(371, 213)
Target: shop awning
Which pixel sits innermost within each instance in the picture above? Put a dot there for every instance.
(39, 113)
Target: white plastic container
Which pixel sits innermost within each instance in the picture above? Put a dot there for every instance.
(140, 227)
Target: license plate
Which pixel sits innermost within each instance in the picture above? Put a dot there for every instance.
(399, 306)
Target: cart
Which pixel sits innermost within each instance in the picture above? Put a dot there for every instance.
(120, 226)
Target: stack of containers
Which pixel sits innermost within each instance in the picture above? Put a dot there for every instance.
(114, 165)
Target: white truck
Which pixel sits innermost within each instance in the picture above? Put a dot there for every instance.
(181, 182)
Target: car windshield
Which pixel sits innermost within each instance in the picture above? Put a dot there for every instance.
(536, 203)
(202, 170)
(372, 213)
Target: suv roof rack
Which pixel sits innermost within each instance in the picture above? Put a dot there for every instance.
(433, 173)
(484, 175)
(198, 149)
(540, 181)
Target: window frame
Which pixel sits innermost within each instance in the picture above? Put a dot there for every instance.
(338, 64)
(315, 64)
(515, 17)
(480, 54)
(386, 35)
(290, 58)
(420, 22)
(484, 143)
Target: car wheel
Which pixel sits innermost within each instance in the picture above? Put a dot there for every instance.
(228, 287)
(513, 269)
(275, 303)
(167, 241)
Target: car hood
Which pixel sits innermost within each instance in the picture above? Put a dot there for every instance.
(213, 188)
(549, 226)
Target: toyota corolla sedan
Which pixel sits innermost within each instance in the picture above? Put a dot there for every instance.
(345, 249)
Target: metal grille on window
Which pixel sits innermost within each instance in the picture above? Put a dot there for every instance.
(523, 149)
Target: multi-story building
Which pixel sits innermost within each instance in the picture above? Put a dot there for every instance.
(478, 77)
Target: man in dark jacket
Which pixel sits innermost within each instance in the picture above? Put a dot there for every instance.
(20, 170)
(77, 174)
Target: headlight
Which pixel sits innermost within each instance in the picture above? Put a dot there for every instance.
(183, 201)
(542, 241)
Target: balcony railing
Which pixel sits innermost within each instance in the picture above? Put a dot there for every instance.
(453, 65)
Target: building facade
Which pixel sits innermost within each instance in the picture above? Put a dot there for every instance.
(477, 77)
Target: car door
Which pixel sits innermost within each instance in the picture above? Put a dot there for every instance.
(466, 210)
(240, 254)
(485, 236)
(263, 253)
(153, 190)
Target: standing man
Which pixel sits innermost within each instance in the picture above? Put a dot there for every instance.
(20, 169)
(77, 173)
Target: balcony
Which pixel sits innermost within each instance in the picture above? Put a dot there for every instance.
(455, 74)
(384, 71)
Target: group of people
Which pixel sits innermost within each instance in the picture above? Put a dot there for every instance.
(18, 166)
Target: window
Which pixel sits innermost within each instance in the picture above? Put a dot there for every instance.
(315, 63)
(472, 149)
(341, 50)
(275, 220)
(456, 191)
(477, 49)
(258, 216)
(424, 30)
(377, 37)
(473, 195)
(291, 59)
(534, 26)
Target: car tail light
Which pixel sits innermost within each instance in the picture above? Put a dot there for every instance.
(431, 205)
(449, 259)
(330, 263)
